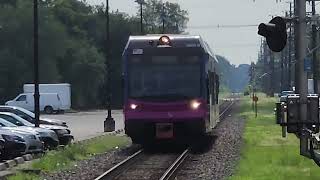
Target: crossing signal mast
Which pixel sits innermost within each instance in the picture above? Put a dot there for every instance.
(299, 112)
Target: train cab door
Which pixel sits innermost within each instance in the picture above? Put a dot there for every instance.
(217, 91)
(212, 100)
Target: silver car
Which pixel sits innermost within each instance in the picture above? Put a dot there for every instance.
(29, 116)
(49, 137)
(63, 134)
(33, 142)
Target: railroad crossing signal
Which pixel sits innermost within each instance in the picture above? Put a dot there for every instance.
(275, 32)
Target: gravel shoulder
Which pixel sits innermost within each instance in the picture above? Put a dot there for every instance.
(220, 161)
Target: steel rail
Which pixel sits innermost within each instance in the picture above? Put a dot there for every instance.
(170, 172)
(120, 167)
(226, 109)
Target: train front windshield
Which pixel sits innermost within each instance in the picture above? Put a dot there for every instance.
(164, 77)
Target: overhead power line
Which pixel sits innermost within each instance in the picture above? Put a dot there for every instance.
(223, 26)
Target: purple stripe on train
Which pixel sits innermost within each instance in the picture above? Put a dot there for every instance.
(137, 110)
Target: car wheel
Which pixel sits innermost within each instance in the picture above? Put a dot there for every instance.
(48, 110)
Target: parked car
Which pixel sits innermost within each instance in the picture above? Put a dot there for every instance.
(29, 116)
(13, 144)
(32, 140)
(283, 95)
(62, 132)
(49, 137)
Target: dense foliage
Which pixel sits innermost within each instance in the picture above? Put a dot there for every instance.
(72, 39)
(235, 78)
(72, 45)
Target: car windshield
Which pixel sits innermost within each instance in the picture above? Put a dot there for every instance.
(5, 123)
(15, 119)
(26, 112)
(164, 77)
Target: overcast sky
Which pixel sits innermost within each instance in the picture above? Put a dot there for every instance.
(239, 45)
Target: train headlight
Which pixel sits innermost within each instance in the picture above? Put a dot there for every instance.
(133, 106)
(164, 40)
(195, 105)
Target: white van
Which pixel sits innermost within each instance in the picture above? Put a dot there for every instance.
(63, 90)
(49, 102)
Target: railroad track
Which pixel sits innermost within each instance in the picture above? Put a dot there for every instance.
(159, 166)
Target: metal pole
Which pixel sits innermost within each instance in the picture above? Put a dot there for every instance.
(141, 18)
(36, 63)
(290, 49)
(314, 54)
(109, 123)
(163, 14)
(302, 76)
(282, 71)
(256, 108)
(296, 50)
(272, 74)
(252, 85)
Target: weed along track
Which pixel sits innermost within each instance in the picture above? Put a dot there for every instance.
(143, 165)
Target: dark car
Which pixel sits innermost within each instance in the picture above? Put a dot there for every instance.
(29, 116)
(283, 95)
(11, 144)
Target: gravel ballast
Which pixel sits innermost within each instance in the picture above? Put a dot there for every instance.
(93, 167)
(220, 161)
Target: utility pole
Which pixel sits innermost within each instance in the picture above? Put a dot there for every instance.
(141, 19)
(290, 49)
(109, 123)
(36, 63)
(272, 74)
(282, 71)
(296, 72)
(141, 3)
(252, 83)
(265, 66)
(314, 54)
(302, 74)
(163, 16)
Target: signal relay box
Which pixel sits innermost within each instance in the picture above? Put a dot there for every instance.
(287, 113)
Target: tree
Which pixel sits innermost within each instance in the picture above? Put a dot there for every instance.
(174, 18)
(72, 39)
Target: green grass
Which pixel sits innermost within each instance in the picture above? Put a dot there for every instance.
(62, 159)
(265, 154)
(24, 176)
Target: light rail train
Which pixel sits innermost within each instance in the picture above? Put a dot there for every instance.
(171, 88)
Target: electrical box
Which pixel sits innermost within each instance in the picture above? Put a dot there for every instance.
(293, 120)
(293, 102)
(278, 113)
(313, 112)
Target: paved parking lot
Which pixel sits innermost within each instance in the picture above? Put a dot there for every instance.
(84, 125)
